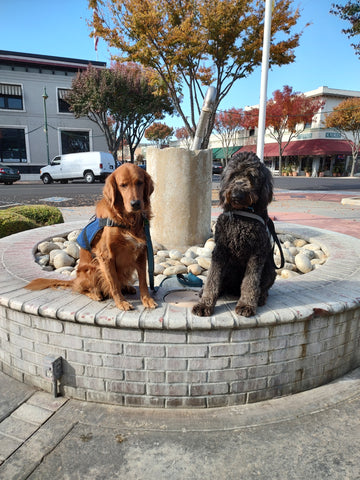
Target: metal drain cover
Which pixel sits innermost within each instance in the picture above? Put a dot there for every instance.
(182, 298)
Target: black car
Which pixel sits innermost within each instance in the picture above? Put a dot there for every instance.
(217, 167)
(9, 175)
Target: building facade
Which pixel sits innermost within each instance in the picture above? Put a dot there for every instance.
(35, 121)
(317, 150)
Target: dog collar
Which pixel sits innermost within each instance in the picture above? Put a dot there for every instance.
(242, 213)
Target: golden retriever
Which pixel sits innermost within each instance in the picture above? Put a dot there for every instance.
(107, 270)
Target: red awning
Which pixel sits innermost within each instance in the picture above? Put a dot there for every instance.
(320, 147)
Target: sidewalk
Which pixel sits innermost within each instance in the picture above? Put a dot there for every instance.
(311, 435)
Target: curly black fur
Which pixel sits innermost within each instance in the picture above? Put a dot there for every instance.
(242, 261)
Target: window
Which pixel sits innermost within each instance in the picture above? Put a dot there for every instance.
(12, 145)
(11, 97)
(74, 141)
(64, 107)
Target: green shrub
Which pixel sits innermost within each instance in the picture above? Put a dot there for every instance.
(41, 214)
(18, 219)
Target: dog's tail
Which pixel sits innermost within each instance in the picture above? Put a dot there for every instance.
(42, 283)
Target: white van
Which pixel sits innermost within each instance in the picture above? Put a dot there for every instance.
(88, 165)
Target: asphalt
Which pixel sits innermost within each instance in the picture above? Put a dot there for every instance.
(310, 435)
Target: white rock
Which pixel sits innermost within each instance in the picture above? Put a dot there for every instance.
(73, 235)
(299, 242)
(303, 263)
(174, 270)
(58, 240)
(73, 250)
(308, 253)
(210, 244)
(188, 261)
(43, 260)
(190, 252)
(203, 252)
(47, 247)
(195, 269)
(288, 273)
(159, 259)
(53, 254)
(204, 262)
(63, 260)
(175, 254)
(158, 269)
(312, 246)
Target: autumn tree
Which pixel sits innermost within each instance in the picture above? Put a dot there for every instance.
(345, 118)
(227, 126)
(184, 136)
(287, 114)
(193, 44)
(349, 12)
(159, 133)
(123, 100)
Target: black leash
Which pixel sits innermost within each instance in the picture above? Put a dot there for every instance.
(150, 253)
(271, 228)
(269, 225)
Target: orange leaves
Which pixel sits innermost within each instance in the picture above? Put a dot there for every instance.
(345, 116)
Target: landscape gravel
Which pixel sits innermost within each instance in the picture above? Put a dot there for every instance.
(61, 255)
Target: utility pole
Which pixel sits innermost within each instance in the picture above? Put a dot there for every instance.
(45, 97)
(264, 80)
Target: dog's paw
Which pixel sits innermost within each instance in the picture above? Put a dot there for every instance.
(202, 310)
(124, 305)
(245, 310)
(149, 302)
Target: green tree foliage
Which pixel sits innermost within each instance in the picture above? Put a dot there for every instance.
(159, 133)
(345, 118)
(350, 12)
(193, 44)
(123, 100)
(287, 114)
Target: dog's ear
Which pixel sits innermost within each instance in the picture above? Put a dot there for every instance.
(266, 193)
(148, 187)
(110, 190)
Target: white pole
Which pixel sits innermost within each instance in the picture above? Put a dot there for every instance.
(264, 80)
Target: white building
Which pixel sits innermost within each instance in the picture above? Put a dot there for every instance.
(29, 84)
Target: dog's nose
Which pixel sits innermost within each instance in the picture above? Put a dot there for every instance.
(135, 204)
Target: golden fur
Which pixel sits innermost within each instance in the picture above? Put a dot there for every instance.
(117, 252)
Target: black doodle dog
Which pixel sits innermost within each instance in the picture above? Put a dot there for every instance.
(242, 261)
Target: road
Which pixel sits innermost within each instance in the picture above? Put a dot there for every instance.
(83, 194)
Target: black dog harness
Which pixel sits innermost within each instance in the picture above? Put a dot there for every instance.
(270, 227)
(88, 233)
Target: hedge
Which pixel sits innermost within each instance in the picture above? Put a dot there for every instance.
(25, 217)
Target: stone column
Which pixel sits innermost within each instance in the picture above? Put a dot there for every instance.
(181, 202)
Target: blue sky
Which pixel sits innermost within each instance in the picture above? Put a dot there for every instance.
(59, 28)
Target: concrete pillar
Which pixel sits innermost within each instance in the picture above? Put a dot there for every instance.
(181, 202)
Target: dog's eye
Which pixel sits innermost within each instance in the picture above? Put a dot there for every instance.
(123, 185)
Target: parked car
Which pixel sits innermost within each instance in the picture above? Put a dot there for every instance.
(217, 167)
(90, 166)
(9, 175)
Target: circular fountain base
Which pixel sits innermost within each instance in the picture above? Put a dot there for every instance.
(307, 334)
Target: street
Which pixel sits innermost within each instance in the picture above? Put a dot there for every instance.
(82, 194)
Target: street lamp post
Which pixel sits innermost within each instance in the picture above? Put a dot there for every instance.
(45, 97)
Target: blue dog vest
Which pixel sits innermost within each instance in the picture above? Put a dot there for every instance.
(88, 233)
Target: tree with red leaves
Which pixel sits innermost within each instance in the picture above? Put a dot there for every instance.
(227, 126)
(287, 115)
(159, 133)
(123, 100)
